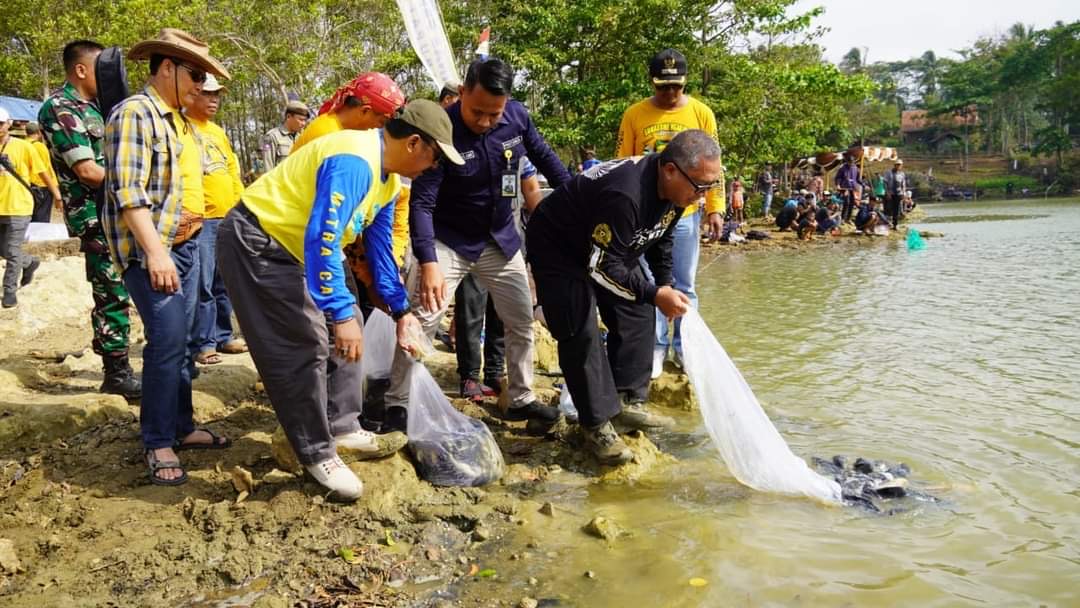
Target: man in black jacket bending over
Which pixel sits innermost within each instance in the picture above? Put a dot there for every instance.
(584, 244)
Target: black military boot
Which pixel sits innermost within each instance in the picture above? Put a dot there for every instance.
(120, 378)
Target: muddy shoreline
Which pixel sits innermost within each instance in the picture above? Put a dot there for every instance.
(80, 525)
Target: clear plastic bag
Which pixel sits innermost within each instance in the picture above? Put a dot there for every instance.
(566, 404)
(380, 340)
(750, 445)
(451, 448)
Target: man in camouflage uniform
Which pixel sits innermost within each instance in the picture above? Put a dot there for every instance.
(73, 128)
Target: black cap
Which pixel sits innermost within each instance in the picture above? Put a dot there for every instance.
(668, 67)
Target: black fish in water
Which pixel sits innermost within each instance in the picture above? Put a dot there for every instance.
(871, 484)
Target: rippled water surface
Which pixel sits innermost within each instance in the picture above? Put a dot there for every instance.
(960, 360)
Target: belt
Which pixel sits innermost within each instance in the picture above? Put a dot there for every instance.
(189, 226)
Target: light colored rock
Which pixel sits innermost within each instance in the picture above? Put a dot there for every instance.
(674, 391)
(604, 528)
(9, 561)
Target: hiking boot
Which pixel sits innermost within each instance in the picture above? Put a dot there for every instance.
(367, 445)
(28, 272)
(472, 389)
(533, 410)
(120, 378)
(606, 445)
(336, 477)
(10, 301)
(635, 416)
(396, 418)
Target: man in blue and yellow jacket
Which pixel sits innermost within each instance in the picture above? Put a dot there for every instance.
(280, 255)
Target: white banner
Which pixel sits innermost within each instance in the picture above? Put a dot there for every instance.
(428, 38)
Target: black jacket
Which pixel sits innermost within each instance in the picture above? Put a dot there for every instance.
(602, 221)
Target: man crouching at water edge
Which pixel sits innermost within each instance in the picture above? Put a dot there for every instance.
(584, 242)
(280, 254)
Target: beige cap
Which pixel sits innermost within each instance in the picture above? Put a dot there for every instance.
(430, 118)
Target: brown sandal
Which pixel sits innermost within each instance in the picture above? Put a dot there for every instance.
(233, 347)
(208, 357)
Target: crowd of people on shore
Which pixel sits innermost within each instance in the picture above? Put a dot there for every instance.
(873, 207)
(376, 203)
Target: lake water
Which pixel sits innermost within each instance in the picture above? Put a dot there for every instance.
(960, 360)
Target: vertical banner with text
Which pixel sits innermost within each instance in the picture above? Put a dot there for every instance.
(428, 38)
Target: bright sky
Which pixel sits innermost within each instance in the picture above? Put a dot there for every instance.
(902, 29)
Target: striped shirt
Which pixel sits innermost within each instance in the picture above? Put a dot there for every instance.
(142, 169)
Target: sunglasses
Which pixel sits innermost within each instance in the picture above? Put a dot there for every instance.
(668, 87)
(698, 188)
(198, 75)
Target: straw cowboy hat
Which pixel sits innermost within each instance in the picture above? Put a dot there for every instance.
(172, 42)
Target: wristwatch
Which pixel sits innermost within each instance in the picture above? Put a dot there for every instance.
(397, 314)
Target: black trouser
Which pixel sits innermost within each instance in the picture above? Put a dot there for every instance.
(849, 205)
(315, 393)
(892, 208)
(594, 377)
(474, 312)
(43, 202)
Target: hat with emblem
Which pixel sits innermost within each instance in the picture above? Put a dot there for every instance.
(668, 67)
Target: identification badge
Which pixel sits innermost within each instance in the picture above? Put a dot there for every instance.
(509, 184)
(509, 177)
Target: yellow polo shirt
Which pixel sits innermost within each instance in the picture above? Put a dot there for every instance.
(221, 181)
(15, 199)
(647, 129)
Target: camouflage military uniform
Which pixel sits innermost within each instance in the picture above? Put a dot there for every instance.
(73, 129)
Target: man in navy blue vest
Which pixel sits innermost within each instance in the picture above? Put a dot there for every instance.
(461, 220)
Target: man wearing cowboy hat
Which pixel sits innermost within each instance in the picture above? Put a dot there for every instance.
(895, 186)
(277, 142)
(280, 253)
(222, 187)
(153, 210)
(74, 130)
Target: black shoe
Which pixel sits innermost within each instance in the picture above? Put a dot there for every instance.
(120, 379)
(10, 301)
(533, 410)
(396, 418)
(28, 272)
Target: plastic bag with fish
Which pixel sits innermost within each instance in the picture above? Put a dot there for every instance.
(750, 445)
(451, 448)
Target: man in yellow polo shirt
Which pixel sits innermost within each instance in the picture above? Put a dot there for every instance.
(280, 254)
(646, 128)
(18, 162)
(365, 102)
(45, 185)
(222, 187)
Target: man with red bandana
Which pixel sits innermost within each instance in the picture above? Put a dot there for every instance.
(365, 102)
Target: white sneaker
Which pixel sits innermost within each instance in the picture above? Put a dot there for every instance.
(366, 445)
(336, 477)
(658, 357)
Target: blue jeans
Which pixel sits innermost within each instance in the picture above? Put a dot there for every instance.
(165, 413)
(768, 202)
(684, 262)
(213, 317)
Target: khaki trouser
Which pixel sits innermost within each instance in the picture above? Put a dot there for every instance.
(508, 283)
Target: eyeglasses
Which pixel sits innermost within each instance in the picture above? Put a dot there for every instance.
(667, 88)
(198, 75)
(698, 188)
